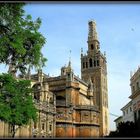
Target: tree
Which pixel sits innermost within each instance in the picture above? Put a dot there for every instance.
(20, 49)
(20, 40)
(126, 129)
(16, 103)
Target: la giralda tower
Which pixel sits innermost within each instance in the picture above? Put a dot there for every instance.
(94, 67)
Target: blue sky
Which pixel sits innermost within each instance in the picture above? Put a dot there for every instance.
(65, 26)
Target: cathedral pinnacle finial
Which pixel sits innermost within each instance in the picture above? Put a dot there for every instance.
(92, 30)
(131, 74)
(81, 51)
(70, 59)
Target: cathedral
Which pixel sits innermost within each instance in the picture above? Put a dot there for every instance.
(69, 106)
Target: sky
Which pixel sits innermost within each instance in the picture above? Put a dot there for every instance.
(65, 27)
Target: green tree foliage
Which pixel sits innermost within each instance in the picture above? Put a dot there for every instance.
(16, 103)
(127, 129)
(20, 40)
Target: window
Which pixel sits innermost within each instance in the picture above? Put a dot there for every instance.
(94, 63)
(43, 126)
(92, 47)
(97, 62)
(35, 125)
(36, 88)
(37, 96)
(51, 100)
(90, 62)
(127, 111)
(68, 75)
(137, 85)
(39, 87)
(50, 127)
(124, 113)
(83, 65)
(86, 64)
(130, 109)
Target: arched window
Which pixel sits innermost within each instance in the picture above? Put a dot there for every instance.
(43, 126)
(35, 125)
(83, 65)
(86, 64)
(37, 96)
(94, 63)
(97, 62)
(51, 100)
(37, 88)
(92, 47)
(90, 62)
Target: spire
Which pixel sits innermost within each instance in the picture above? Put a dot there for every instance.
(69, 71)
(92, 35)
(93, 43)
(81, 51)
(69, 65)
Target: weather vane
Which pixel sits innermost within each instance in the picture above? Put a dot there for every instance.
(70, 55)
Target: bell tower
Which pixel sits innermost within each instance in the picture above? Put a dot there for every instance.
(93, 66)
(93, 43)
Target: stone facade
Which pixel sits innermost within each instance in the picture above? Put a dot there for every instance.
(128, 112)
(67, 105)
(77, 115)
(45, 103)
(93, 66)
(131, 111)
(135, 94)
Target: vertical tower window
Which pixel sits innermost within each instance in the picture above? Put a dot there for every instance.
(137, 85)
(43, 126)
(90, 62)
(35, 125)
(83, 65)
(94, 63)
(97, 62)
(92, 47)
(86, 64)
(50, 127)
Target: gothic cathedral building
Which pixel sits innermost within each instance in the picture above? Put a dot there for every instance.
(93, 65)
(69, 106)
